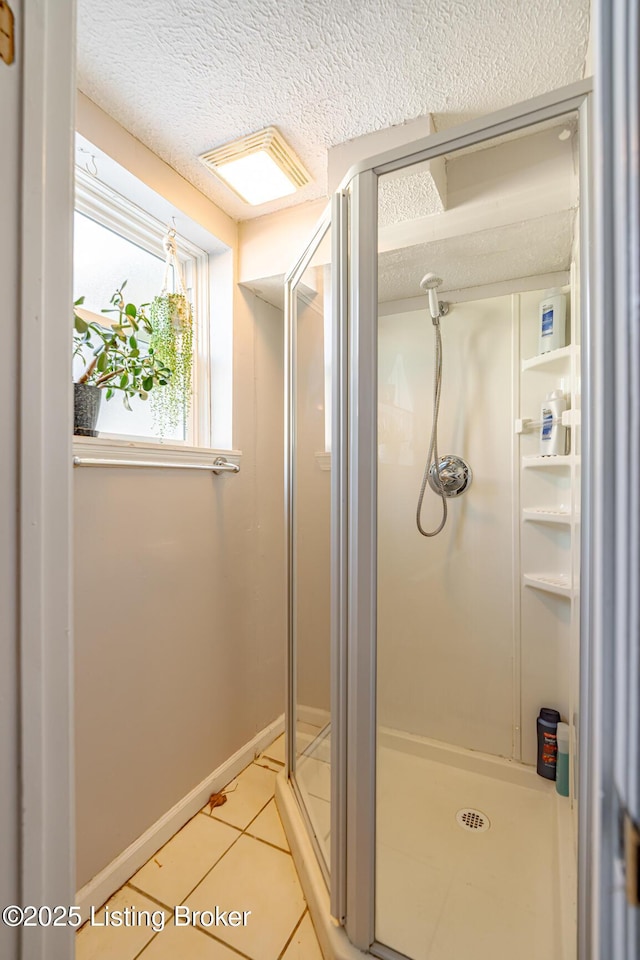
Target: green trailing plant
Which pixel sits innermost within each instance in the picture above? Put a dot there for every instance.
(118, 363)
(171, 318)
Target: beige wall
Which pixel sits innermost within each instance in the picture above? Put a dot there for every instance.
(179, 616)
(270, 245)
(179, 581)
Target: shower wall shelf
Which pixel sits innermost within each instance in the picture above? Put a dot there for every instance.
(526, 424)
(548, 360)
(551, 461)
(569, 418)
(548, 506)
(545, 515)
(549, 583)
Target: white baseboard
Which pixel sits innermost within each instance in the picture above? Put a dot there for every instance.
(98, 890)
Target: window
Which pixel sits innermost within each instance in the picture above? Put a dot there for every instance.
(115, 240)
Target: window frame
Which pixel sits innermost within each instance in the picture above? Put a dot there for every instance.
(110, 209)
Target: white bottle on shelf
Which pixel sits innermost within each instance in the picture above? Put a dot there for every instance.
(553, 320)
(553, 436)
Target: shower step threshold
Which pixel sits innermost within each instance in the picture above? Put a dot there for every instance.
(540, 515)
(549, 583)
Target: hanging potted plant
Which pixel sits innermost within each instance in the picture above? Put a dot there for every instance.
(113, 361)
(171, 317)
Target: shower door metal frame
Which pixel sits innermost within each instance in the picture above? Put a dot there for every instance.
(359, 299)
(325, 223)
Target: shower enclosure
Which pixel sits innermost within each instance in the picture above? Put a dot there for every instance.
(417, 666)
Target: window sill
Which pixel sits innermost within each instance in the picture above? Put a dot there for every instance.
(104, 448)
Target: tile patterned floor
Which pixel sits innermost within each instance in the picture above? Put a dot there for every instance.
(235, 856)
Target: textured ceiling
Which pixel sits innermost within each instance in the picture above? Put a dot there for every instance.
(527, 249)
(406, 198)
(185, 76)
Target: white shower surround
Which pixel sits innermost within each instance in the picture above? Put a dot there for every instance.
(446, 626)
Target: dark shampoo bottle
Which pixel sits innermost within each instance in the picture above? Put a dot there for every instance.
(547, 742)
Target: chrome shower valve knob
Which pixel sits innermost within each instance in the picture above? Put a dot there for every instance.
(455, 476)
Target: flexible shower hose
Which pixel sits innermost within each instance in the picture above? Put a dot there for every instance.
(432, 456)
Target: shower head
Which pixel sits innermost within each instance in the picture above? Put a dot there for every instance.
(430, 283)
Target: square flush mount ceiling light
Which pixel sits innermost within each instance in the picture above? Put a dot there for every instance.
(258, 168)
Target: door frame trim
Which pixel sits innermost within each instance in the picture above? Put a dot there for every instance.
(45, 552)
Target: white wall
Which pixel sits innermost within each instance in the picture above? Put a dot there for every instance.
(445, 620)
(10, 87)
(466, 653)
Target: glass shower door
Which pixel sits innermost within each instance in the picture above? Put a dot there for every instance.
(477, 574)
(308, 475)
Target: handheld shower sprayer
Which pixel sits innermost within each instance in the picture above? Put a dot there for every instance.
(447, 476)
(430, 283)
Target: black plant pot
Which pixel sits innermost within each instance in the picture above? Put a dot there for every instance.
(86, 406)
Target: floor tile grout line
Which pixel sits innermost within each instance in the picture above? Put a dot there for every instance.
(224, 943)
(252, 763)
(261, 811)
(205, 875)
(149, 896)
(206, 933)
(183, 901)
(265, 766)
(241, 833)
(268, 843)
(209, 816)
(212, 815)
(272, 759)
(293, 932)
(243, 829)
(207, 872)
(196, 926)
(147, 944)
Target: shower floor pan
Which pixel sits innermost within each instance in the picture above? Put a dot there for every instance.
(444, 892)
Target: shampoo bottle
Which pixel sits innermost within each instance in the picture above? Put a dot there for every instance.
(547, 726)
(553, 320)
(553, 436)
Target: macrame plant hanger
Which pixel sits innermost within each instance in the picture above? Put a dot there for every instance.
(171, 262)
(172, 340)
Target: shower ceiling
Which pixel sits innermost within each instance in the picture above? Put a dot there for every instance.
(527, 249)
(186, 77)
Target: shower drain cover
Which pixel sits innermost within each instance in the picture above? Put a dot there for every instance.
(473, 820)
